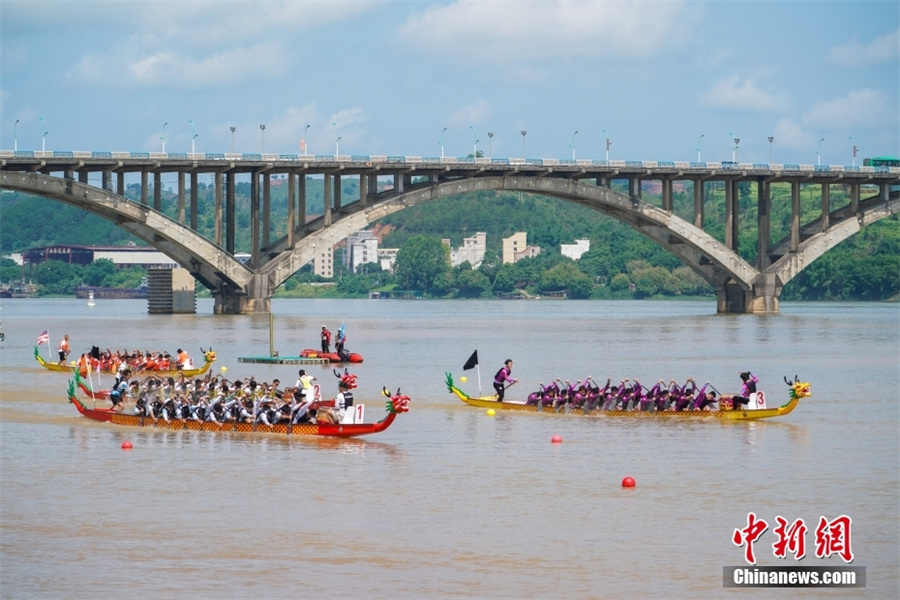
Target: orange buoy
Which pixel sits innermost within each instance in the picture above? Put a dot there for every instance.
(628, 482)
(556, 439)
(126, 445)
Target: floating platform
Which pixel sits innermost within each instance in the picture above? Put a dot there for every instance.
(283, 360)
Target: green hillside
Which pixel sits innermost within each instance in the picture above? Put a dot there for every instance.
(621, 262)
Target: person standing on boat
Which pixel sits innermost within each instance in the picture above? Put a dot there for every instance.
(504, 376)
(326, 340)
(119, 393)
(304, 385)
(63, 349)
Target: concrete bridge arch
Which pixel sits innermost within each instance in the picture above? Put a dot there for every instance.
(739, 286)
(237, 288)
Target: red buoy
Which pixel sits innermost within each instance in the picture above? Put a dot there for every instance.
(126, 445)
(628, 482)
(556, 439)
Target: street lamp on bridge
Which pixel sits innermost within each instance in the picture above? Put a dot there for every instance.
(193, 135)
(163, 138)
(16, 136)
(854, 149)
(262, 129)
(699, 139)
(523, 143)
(43, 136)
(233, 129)
(442, 141)
(771, 139)
(474, 142)
(818, 152)
(337, 147)
(306, 139)
(734, 150)
(490, 144)
(573, 144)
(608, 144)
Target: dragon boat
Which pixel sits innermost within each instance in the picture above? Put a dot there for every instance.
(352, 357)
(209, 357)
(396, 404)
(797, 390)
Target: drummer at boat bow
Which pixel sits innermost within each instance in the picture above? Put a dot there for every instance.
(503, 376)
(63, 349)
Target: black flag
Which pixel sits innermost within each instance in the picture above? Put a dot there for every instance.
(472, 362)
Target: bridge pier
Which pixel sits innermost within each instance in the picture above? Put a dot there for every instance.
(233, 302)
(760, 299)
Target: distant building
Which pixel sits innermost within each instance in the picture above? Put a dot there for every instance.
(386, 258)
(472, 250)
(574, 251)
(361, 248)
(123, 257)
(516, 247)
(323, 262)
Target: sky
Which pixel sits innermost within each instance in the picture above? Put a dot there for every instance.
(663, 80)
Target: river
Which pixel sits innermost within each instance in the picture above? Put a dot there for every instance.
(450, 502)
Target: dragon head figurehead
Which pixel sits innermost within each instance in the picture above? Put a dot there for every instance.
(348, 378)
(799, 389)
(398, 403)
(208, 355)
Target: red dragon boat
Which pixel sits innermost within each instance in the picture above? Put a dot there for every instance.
(395, 405)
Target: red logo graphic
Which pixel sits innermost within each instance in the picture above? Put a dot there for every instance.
(832, 537)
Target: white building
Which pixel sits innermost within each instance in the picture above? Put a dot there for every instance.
(574, 251)
(361, 248)
(472, 250)
(386, 258)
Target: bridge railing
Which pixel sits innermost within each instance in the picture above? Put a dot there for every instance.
(449, 160)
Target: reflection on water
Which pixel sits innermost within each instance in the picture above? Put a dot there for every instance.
(478, 505)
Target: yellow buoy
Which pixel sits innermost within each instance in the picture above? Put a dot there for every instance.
(490, 412)
(463, 379)
(223, 369)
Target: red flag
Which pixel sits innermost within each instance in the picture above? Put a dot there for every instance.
(44, 338)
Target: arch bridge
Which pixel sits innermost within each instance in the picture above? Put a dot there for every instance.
(239, 288)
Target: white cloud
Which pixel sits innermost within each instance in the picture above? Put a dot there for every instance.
(788, 133)
(470, 114)
(201, 45)
(501, 32)
(882, 49)
(866, 108)
(170, 68)
(743, 94)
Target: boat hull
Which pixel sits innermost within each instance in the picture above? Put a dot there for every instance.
(330, 356)
(108, 415)
(50, 366)
(732, 415)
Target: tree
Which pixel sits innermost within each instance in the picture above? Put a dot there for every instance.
(421, 261)
(505, 280)
(57, 277)
(97, 272)
(620, 282)
(472, 284)
(566, 276)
